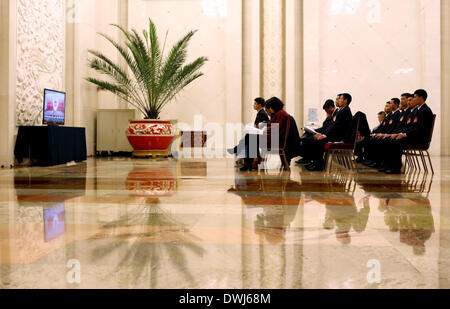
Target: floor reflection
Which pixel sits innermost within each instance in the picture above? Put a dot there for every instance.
(202, 224)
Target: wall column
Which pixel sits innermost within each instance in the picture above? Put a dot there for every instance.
(7, 78)
(445, 75)
(273, 49)
(294, 60)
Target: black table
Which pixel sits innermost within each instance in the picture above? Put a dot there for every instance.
(50, 145)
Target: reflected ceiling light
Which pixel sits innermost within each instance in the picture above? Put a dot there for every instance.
(214, 8)
(404, 71)
(350, 7)
(337, 6)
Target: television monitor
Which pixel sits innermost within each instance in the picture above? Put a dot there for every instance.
(54, 107)
(54, 222)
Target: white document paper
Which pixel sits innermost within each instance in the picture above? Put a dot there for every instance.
(310, 130)
(253, 131)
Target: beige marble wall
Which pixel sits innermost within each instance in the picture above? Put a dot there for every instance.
(91, 17)
(445, 76)
(375, 50)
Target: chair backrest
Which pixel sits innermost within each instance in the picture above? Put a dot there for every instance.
(352, 134)
(288, 128)
(431, 132)
(355, 138)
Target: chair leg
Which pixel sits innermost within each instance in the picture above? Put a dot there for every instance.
(285, 161)
(429, 160)
(425, 167)
(329, 161)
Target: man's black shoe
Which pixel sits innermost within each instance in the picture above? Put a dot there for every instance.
(246, 168)
(367, 162)
(359, 160)
(393, 172)
(374, 165)
(232, 151)
(310, 165)
(303, 162)
(314, 168)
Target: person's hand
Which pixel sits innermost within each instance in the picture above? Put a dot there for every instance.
(401, 136)
(320, 137)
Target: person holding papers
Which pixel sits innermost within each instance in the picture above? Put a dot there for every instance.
(262, 119)
(331, 111)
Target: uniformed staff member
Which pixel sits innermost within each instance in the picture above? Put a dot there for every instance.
(417, 133)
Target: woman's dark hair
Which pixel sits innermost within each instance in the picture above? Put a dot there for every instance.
(328, 104)
(275, 104)
(261, 102)
(421, 93)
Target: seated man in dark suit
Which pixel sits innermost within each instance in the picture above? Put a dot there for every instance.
(331, 111)
(416, 133)
(389, 127)
(381, 117)
(336, 132)
(262, 119)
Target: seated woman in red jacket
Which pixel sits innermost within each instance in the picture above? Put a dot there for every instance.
(280, 122)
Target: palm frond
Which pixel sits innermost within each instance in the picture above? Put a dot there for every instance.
(154, 80)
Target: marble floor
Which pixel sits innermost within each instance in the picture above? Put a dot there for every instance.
(128, 223)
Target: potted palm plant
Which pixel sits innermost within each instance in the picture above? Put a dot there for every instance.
(150, 81)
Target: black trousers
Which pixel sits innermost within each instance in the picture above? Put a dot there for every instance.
(314, 150)
(391, 151)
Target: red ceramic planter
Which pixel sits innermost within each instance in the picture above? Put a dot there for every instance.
(149, 137)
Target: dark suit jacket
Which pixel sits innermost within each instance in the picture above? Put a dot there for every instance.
(401, 124)
(327, 122)
(261, 117)
(420, 130)
(363, 129)
(338, 129)
(383, 126)
(393, 122)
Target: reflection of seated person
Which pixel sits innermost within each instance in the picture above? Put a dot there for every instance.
(262, 119)
(278, 208)
(331, 111)
(412, 218)
(344, 216)
(274, 220)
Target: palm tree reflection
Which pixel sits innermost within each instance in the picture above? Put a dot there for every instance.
(149, 232)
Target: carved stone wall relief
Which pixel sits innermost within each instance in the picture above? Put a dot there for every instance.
(40, 55)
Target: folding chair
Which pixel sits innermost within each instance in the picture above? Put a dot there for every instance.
(281, 151)
(414, 155)
(342, 154)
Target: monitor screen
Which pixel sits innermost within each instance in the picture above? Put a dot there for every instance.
(54, 222)
(54, 107)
